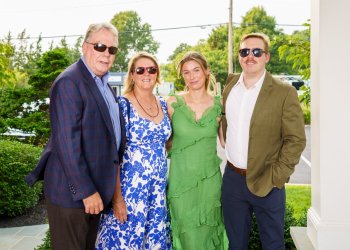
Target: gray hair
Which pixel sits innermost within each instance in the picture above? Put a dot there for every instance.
(95, 27)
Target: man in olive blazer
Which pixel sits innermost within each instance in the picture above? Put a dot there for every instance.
(263, 129)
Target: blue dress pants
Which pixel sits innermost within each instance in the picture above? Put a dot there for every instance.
(238, 206)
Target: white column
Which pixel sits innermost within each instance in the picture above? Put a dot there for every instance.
(329, 216)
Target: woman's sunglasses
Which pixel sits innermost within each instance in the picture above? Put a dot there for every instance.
(256, 52)
(151, 70)
(100, 47)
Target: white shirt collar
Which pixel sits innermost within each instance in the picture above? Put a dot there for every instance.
(258, 84)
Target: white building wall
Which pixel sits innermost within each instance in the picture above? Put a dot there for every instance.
(329, 216)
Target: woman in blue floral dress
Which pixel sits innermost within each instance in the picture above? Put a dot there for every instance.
(139, 218)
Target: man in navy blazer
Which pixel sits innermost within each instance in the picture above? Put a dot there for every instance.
(80, 163)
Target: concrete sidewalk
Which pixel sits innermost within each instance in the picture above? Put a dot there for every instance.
(22, 238)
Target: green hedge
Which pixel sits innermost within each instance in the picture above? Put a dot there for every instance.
(16, 161)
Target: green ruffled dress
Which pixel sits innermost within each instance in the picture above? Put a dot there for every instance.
(194, 185)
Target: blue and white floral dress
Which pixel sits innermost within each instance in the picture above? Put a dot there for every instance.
(143, 182)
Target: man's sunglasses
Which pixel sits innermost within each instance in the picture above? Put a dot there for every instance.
(151, 70)
(256, 52)
(100, 47)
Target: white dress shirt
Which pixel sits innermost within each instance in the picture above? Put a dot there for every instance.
(239, 108)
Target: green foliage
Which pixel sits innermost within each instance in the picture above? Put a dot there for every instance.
(183, 47)
(25, 54)
(16, 161)
(72, 53)
(296, 50)
(257, 20)
(7, 75)
(133, 36)
(27, 109)
(218, 38)
(305, 97)
(215, 47)
(24, 57)
(50, 65)
(46, 245)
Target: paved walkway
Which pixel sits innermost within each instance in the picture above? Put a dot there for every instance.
(22, 238)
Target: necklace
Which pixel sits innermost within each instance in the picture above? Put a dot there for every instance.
(153, 116)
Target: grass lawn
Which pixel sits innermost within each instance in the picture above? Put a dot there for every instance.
(299, 197)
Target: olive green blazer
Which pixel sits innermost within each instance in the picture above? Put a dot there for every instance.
(276, 135)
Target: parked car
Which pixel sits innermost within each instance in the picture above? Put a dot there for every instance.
(293, 80)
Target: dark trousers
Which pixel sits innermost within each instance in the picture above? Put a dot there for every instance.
(71, 228)
(238, 206)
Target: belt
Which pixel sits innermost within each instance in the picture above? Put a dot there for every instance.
(237, 170)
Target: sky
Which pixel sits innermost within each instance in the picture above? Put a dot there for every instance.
(171, 21)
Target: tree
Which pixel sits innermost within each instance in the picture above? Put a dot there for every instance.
(133, 36)
(218, 38)
(215, 47)
(179, 49)
(296, 49)
(50, 65)
(257, 20)
(26, 109)
(26, 54)
(7, 75)
(73, 53)
(23, 57)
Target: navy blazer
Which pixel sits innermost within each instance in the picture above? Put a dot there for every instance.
(81, 156)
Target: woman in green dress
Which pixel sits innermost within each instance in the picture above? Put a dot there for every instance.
(194, 185)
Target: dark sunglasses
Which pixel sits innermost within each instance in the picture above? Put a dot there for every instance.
(102, 48)
(151, 70)
(256, 52)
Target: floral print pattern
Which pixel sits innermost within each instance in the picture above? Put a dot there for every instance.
(143, 180)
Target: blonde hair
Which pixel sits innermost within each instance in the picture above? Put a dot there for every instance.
(95, 27)
(128, 82)
(210, 82)
(261, 36)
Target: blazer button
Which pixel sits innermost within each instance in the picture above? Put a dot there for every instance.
(115, 162)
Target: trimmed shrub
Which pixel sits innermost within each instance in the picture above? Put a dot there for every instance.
(16, 161)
